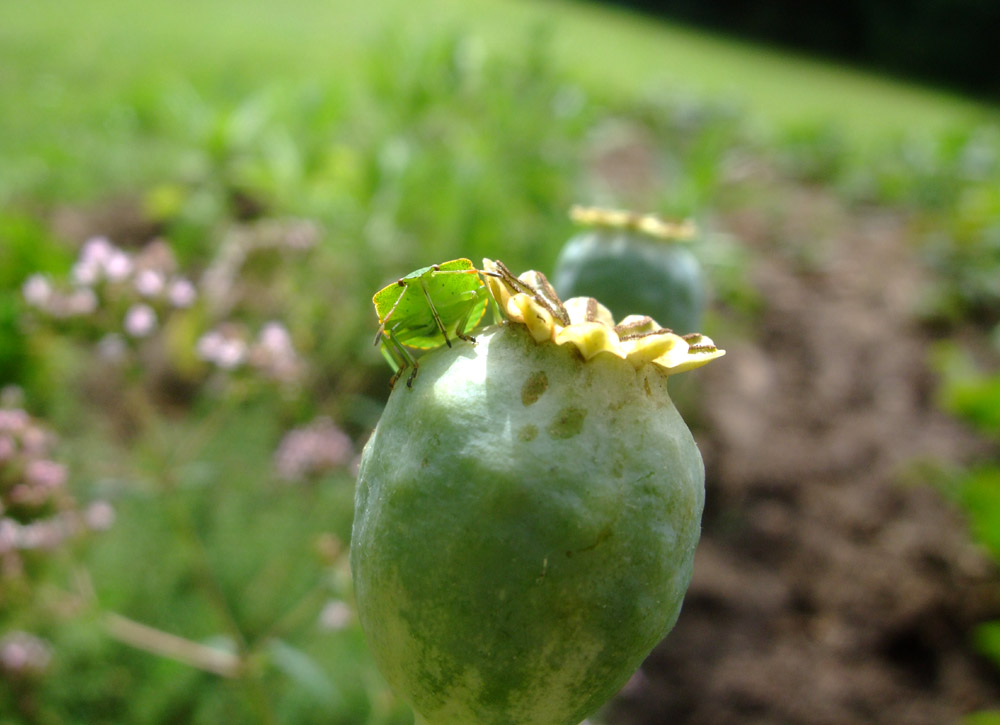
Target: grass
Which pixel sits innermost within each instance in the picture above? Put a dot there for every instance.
(779, 87)
(71, 72)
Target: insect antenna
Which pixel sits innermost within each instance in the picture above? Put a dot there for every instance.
(544, 294)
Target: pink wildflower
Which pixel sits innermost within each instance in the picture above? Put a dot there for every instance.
(22, 653)
(99, 516)
(182, 293)
(37, 290)
(118, 266)
(314, 449)
(140, 320)
(223, 348)
(335, 615)
(149, 283)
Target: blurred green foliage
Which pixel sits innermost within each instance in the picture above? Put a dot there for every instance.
(77, 122)
(26, 247)
(973, 395)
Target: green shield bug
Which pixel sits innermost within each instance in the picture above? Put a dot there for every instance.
(425, 309)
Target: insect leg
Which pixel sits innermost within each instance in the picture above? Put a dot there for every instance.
(464, 320)
(434, 313)
(399, 357)
(388, 315)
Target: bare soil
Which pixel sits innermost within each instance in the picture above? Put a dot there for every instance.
(832, 584)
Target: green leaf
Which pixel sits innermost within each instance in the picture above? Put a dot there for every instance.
(987, 640)
(967, 392)
(978, 401)
(980, 497)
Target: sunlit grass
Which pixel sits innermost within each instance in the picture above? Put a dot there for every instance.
(73, 74)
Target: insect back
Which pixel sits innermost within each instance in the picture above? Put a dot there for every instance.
(428, 308)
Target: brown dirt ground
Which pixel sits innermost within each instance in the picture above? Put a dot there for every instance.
(831, 585)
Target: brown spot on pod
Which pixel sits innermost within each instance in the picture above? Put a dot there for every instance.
(568, 423)
(533, 388)
(527, 433)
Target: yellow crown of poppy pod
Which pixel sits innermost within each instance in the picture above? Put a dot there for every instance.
(589, 326)
(651, 225)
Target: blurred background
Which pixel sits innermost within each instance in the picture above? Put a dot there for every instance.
(198, 199)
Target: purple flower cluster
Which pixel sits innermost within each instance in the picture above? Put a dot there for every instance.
(122, 298)
(271, 353)
(313, 450)
(37, 512)
(133, 290)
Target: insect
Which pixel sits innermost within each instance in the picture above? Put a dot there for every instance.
(426, 309)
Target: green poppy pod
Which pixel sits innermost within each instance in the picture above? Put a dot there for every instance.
(635, 265)
(527, 512)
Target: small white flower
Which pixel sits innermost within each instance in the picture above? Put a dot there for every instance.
(335, 616)
(149, 283)
(208, 345)
(231, 353)
(118, 266)
(23, 653)
(140, 320)
(86, 272)
(313, 449)
(97, 251)
(82, 301)
(224, 351)
(274, 354)
(182, 293)
(274, 338)
(99, 516)
(37, 290)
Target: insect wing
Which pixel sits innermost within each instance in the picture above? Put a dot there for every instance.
(476, 313)
(458, 297)
(387, 297)
(457, 265)
(385, 300)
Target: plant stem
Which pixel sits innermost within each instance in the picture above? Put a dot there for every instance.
(164, 644)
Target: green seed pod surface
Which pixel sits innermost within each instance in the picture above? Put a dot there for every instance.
(525, 526)
(633, 272)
